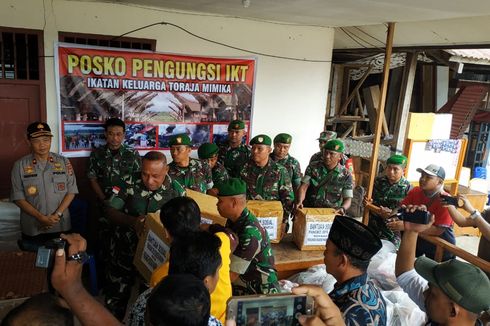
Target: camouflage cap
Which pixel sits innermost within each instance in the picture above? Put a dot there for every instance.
(334, 145)
(207, 150)
(236, 125)
(38, 129)
(327, 135)
(232, 187)
(283, 139)
(180, 139)
(354, 238)
(397, 159)
(261, 140)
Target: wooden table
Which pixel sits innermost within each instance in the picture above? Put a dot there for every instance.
(290, 260)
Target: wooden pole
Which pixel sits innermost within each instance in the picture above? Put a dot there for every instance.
(381, 113)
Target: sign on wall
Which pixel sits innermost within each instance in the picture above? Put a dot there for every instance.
(158, 95)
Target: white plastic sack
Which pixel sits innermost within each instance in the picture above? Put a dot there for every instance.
(381, 270)
(316, 275)
(401, 310)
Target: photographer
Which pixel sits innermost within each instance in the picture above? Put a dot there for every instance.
(66, 279)
(476, 220)
(451, 293)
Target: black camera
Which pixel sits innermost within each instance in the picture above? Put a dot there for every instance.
(45, 254)
(418, 216)
(449, 200)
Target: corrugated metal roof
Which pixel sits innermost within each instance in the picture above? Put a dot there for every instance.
(475, 56)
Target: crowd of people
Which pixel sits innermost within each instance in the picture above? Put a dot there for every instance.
(208, 264)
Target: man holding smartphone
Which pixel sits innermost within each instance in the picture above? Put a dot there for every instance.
(431, 185)
(451, 293)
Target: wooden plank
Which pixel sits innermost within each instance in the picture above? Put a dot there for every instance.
(353, 93)
(403, 109)
(472, 259)
(372, 97)
(379, 120)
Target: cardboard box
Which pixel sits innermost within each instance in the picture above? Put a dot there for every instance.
(311, 227)
(153, 247)
(207, 205)
(269, 214)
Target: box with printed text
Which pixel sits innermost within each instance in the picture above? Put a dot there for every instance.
(311, 227)
(269, 214)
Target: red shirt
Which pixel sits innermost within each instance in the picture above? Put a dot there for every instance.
(416, 196)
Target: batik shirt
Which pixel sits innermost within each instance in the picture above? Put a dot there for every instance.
(233, 159)
(110, 169)
(292, 166)
(327, 188)
(360, 301)
(219, 174)
(253, 258)
(196, 176)
(271, 182)
(387, 195)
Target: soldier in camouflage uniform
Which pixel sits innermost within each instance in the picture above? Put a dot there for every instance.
(107, 167)
(191, 173)
(389, 190)
(208, 152)
(252, 269)
(280, 154)
(233, 154)
(327, 183)
(267, 180)
(325, 136)
(127, 209)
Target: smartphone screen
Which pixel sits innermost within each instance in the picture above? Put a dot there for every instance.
(279, 311)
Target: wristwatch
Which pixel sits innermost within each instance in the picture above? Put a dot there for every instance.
(475, 214)
(60, 214)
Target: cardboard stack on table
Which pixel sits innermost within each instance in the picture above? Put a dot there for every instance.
(311, 227)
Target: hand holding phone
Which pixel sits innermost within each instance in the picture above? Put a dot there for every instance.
(454, 201)
(274, 309)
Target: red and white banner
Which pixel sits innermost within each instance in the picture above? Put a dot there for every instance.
(158, 95)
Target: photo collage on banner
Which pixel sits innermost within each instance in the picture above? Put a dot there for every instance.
(157, 95)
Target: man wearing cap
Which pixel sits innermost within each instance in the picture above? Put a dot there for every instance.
(450, 293)
(252, 268)
(327, 183)
(208, 152)
(280, 154)
(266, 179)
(108, 166)
(324, 137)
(388, 191)
(189, 172)
(349, 249)
(233, 154)
(126, 209)
(43, 186)
(427, 193)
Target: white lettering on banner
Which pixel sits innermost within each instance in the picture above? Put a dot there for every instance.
(270, 225)
(154, 252)
(317, 233)
(206, 220)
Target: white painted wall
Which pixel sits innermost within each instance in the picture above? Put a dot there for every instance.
(290, 96)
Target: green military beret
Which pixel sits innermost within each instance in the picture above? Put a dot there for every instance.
(327, 135)
(236, 125)
(180, 139)
(261, 140)
(283, 139)
(232, 187)
(334, 145)
(397, 159)
(207, 150)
